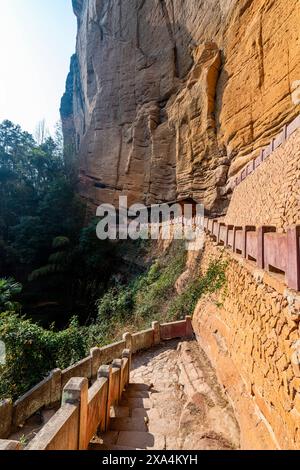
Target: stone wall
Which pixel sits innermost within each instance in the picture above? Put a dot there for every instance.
(270, 195)
(250, 331)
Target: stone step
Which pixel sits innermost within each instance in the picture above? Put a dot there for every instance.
(141, 440)
(108, 438)
(152, 414)
(120, 412)
(138, 387)
(130, 402)
(136, 394)
(104, 447)
(128, 424)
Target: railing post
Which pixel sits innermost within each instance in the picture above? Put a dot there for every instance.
(96, 360)
(235, 230)
(55, 392)
(127, 337)
(248, 228)
(117, 364)
(156, 332)
(189, 327)
(261, 245)
(221, 225)
(293, 261)
(229, 228)
(76, 393)
(127, 354)
(10, 445)
(6, 418)
(106, 371)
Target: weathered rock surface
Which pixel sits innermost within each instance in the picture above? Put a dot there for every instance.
(165, 100)
(174, 402)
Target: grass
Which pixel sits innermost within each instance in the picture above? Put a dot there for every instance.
(152, 296)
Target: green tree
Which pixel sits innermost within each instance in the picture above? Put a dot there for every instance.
(9, 288)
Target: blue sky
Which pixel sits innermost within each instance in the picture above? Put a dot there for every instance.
(37, 39)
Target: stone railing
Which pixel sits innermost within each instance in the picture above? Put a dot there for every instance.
(271, 250)
(84, 410)
(265, 153)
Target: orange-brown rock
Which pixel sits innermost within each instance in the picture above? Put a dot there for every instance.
(164, 100)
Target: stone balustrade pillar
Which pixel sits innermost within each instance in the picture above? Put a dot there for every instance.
(95, 354)
(106, 372)
(156, 332)
(117, 364)
(10, 445)
(76, 393)
(127, 355)
(127, 337)
(189, 327)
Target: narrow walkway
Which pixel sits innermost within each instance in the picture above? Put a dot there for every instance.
(171, 404)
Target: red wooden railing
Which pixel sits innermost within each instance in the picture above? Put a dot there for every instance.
(269, 249)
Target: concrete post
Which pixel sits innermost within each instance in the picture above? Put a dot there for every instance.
(235, 230)
(6, 412)
(261, 245)
(293, 254)
(248, 228)
(55, 391)
(189, 327)
(156, 332)
(96, 361)
(117, 364)
(228, 229)
(127, 354)
(221, 224)
(128, 340)
(10, 445)
(106, 371)
(76, 393)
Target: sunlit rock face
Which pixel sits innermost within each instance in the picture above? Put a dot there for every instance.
(169, 98)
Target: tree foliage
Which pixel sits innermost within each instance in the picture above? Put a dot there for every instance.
(42, 239)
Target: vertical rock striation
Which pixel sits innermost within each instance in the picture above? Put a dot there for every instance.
(169, 98)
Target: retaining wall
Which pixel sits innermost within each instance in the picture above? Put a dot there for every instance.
(251, 333)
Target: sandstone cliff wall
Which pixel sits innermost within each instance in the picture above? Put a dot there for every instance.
(166, 100)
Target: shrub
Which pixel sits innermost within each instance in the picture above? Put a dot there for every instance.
(32, 352)
(143, 299)
(213, 281)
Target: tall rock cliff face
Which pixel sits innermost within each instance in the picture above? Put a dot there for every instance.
(169, 98)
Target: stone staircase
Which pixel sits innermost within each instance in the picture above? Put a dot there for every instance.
(161, 409)
(148, 414)
(161, 395)
(132, 424)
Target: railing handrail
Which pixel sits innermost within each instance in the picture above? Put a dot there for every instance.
(253, 243)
